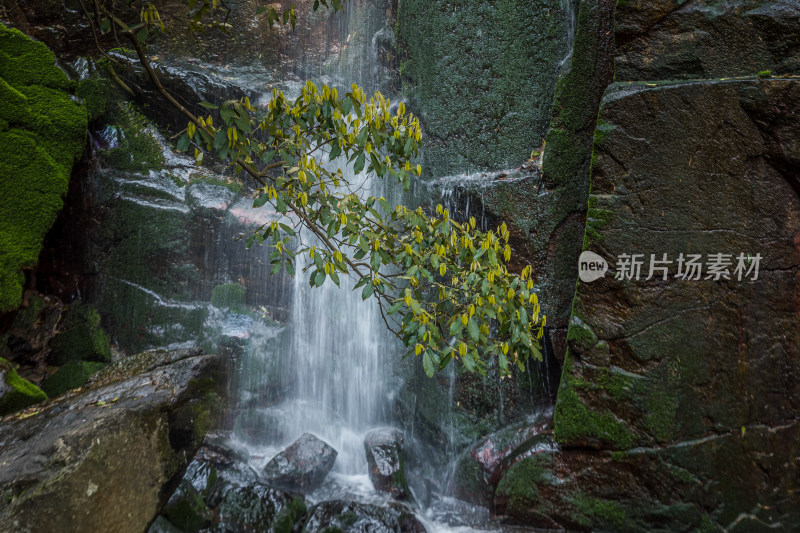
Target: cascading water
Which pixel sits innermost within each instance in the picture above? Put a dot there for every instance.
(336, 359)
(335, 353)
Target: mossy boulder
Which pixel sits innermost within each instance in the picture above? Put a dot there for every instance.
(228, 295)
(15, 392)
(82, 338)
(105, 458)
(42, 133)
(70, 376)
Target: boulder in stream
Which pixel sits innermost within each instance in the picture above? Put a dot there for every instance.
(386, 461)
(302, 466)
(355, 517)
(102, 458)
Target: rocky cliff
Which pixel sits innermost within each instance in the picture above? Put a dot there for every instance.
(678, 404)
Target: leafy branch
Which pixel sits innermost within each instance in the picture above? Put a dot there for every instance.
(443, 287)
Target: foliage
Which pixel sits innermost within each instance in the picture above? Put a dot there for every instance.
(443, 286)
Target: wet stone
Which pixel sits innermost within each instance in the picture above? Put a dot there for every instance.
(385, 461)
(302, 466)
(354, 517)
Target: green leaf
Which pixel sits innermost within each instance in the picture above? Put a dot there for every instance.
(319, 278)
(261, 200)
(287, 229)
(221, 140)
(335, 151)
(456, 328)
(141, 35)
(469, 361)
(183, 143)
(367, 292)
(428, 365)
(472, 329)
(209, 105)
(359, 164)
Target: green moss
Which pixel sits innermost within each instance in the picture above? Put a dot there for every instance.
(579, 335)
(481, 80)
(574, 422)
(96, 92)
(289, 515)
(596, 220)
(618, 385)
(70, 376)
(520, 483)
(42, 133)
(229, 295)
(138, 149)
(601, 131)
(661, 406)
(20, 393)
(189, 512)
(82, 338)
(600, 513)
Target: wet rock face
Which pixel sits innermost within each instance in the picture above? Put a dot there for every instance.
(103, 458)
(659, 361)
(302, 466)
(680, 39)
(386, 461)
(340, 515)
(692, 382)
(480, 79)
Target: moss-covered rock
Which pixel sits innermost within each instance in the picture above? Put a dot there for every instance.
(83, 338)
(228, 295)
(42, 133)
(70, 376)
(16, 393)
(567, 158)
(104, 457)
(480, 79)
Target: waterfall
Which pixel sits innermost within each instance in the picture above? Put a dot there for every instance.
(333, 359)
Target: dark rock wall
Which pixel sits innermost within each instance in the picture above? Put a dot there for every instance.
(678, 404)
(703, 39)
(566, 160)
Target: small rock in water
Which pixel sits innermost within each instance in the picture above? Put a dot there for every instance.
(340, 515)
(302, 466)
(385, 460)
(257, 507)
